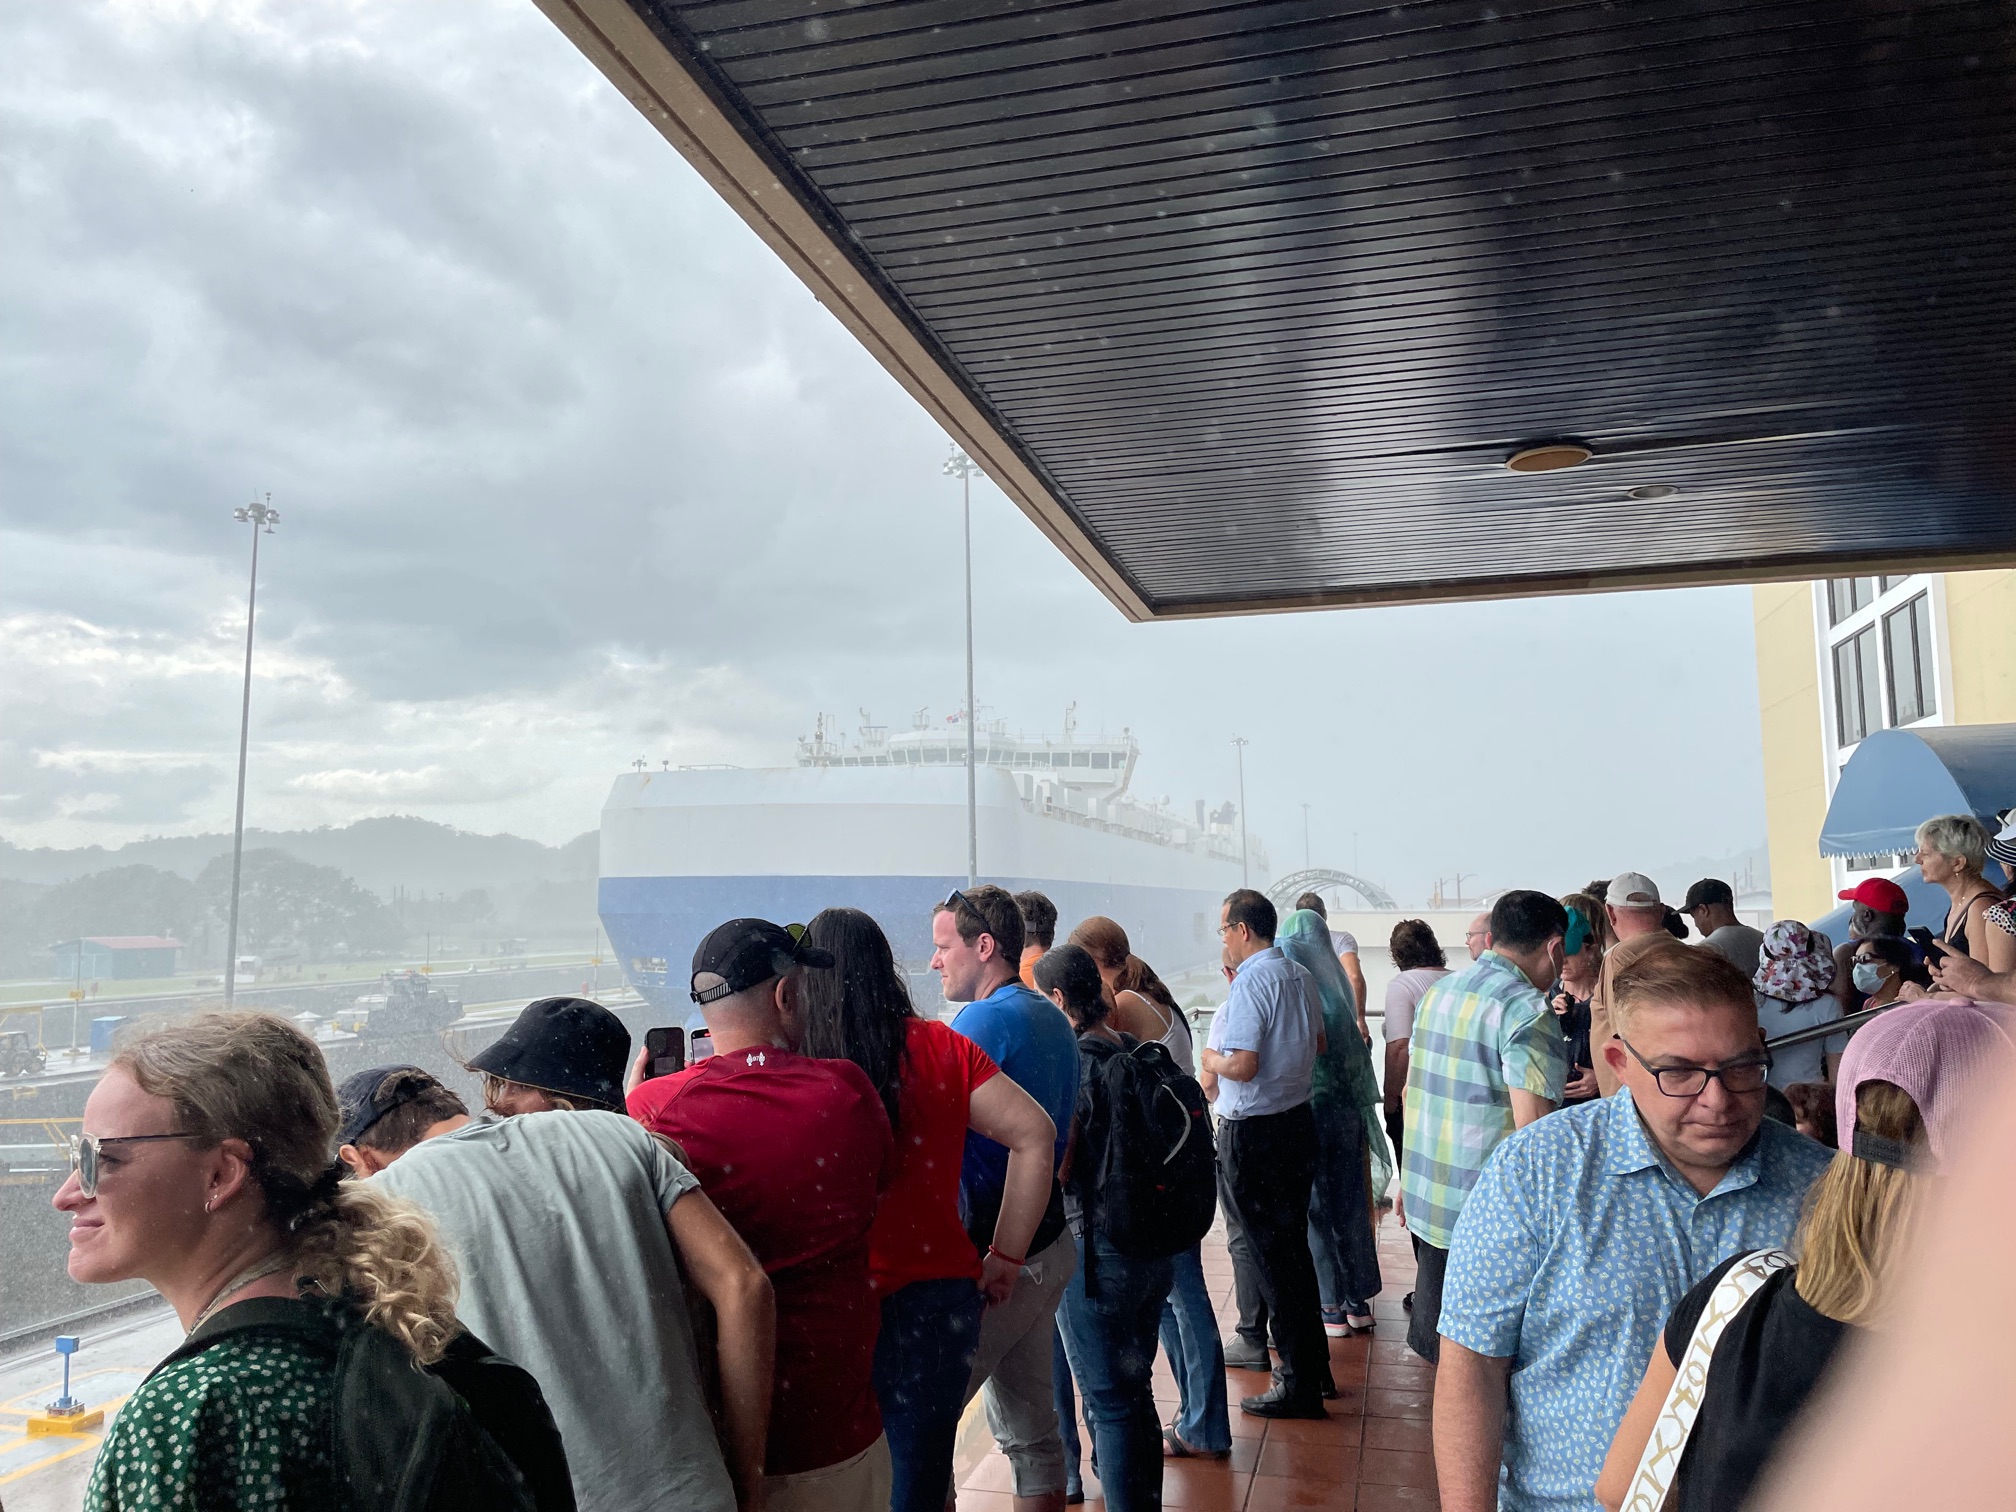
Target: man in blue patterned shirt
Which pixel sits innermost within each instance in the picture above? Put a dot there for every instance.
(1587, 1227)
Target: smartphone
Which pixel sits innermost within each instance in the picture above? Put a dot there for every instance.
(667, 1051)
(701, 1045)
(1927, 942)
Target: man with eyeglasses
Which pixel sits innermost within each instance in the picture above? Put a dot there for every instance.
(1586, 1227)
(977, 938)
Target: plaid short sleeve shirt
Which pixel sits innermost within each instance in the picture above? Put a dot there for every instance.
(1477, 1035)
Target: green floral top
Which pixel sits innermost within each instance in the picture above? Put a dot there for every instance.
(244, 1424)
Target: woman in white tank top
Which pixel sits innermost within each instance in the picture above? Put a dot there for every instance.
(1142, 1006)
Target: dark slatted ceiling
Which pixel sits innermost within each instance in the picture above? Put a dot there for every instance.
(1254, 300)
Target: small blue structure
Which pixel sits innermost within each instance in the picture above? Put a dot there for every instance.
(102, 1032)
(116, 957)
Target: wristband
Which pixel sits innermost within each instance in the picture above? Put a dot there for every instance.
(1000, 1254)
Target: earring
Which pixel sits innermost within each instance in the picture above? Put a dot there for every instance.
(209, 1204)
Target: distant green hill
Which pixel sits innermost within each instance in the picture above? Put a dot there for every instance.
(384, 855)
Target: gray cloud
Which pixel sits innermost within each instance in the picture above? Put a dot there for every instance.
(573, 472)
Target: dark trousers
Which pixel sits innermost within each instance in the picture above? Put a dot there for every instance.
(1269, 1164)
(1424, 1322)
(930, 1330)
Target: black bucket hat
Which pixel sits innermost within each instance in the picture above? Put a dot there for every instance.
(564, 1045)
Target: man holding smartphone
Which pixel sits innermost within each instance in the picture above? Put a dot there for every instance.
(795, 1152)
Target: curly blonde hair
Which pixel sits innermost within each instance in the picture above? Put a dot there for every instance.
(257, 1078)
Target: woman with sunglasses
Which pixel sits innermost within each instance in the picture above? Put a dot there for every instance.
(935, 1085)
(205, 1168)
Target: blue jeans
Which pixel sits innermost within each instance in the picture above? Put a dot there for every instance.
(930, 1331)
(1109, 1319)
(1341, 1240)
(1067, 1413)
(1190, 1335)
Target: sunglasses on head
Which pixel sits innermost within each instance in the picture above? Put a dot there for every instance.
(86, 1148)
(957, 899)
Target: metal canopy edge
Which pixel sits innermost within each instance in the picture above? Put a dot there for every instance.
(1313, 274)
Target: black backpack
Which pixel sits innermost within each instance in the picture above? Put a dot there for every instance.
(1153, 1183)
(403, 1439)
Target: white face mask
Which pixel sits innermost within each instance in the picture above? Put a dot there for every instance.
(1868, 976)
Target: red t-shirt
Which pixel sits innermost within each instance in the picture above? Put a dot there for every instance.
(794, 1152)
(918, 1236)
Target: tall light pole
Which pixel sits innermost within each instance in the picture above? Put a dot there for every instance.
(1239, 745)
(261, 517)
(963, 467)
(1305, 837)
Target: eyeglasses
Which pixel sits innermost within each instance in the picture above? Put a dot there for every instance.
(86, 1148)
(1740, 1077)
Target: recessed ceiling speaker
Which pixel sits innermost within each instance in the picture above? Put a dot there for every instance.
(1550, 456)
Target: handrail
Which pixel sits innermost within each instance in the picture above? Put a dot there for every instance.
(1846, 1024)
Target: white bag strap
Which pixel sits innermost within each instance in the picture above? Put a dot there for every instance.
(1660, 1463)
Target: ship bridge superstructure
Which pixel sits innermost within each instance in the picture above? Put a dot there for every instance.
(1070, 776)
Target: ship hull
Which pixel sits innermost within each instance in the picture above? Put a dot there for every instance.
(684, 851)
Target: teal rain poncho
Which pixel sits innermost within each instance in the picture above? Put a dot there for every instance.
(1344, 1070)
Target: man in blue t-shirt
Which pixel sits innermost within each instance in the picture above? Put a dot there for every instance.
(976, 937)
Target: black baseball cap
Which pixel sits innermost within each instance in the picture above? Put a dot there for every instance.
(745, 953)
(566, 1045)
(1706, 893)
(367, 1096)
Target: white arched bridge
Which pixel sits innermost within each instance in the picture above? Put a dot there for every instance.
(1316, 878)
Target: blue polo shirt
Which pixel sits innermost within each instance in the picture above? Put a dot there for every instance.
(1272, 1010)
(1569, 1256)
(1032, 1041)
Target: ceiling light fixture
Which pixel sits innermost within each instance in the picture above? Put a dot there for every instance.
(1645, 491)
(1549, 456)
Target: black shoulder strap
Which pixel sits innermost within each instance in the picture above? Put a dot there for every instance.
(312, 1320)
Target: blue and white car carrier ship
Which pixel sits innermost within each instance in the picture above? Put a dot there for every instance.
(879, 824)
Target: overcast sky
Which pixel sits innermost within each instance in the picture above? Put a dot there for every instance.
(572, 471)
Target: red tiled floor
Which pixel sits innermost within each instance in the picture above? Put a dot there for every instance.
(1371, 1454)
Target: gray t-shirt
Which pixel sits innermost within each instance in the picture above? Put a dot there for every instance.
(1739, 944)
(557, 1223)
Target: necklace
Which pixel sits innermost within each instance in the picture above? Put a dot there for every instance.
(257, 1271)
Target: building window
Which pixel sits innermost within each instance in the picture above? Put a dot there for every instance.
(1893, 582)
(1858, 679)
(1907, 635)
(1845, 596)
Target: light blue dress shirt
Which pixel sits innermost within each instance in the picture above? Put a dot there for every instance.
(1272, 1010)
(1575, 1245)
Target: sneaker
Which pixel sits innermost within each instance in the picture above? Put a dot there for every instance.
(1240, 1355)
(1360, 1322)
(1334, 1323)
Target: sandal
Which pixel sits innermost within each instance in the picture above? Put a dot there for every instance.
(1173, 1447)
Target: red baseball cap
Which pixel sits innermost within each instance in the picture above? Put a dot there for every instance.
(1879, 893)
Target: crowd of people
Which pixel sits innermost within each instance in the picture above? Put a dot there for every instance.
(777, 1277)
(1635, 1213)
(774, 1278)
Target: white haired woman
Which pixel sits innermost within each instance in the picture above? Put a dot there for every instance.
(206, 1169)
(1952, 851)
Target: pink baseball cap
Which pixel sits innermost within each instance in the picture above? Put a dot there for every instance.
(1935, 1051)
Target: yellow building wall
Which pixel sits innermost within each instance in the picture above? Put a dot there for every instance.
(1980, 631)
(1795, 784)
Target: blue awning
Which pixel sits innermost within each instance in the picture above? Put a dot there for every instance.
(1897, 779)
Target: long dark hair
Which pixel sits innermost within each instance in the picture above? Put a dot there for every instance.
(859, 1010)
